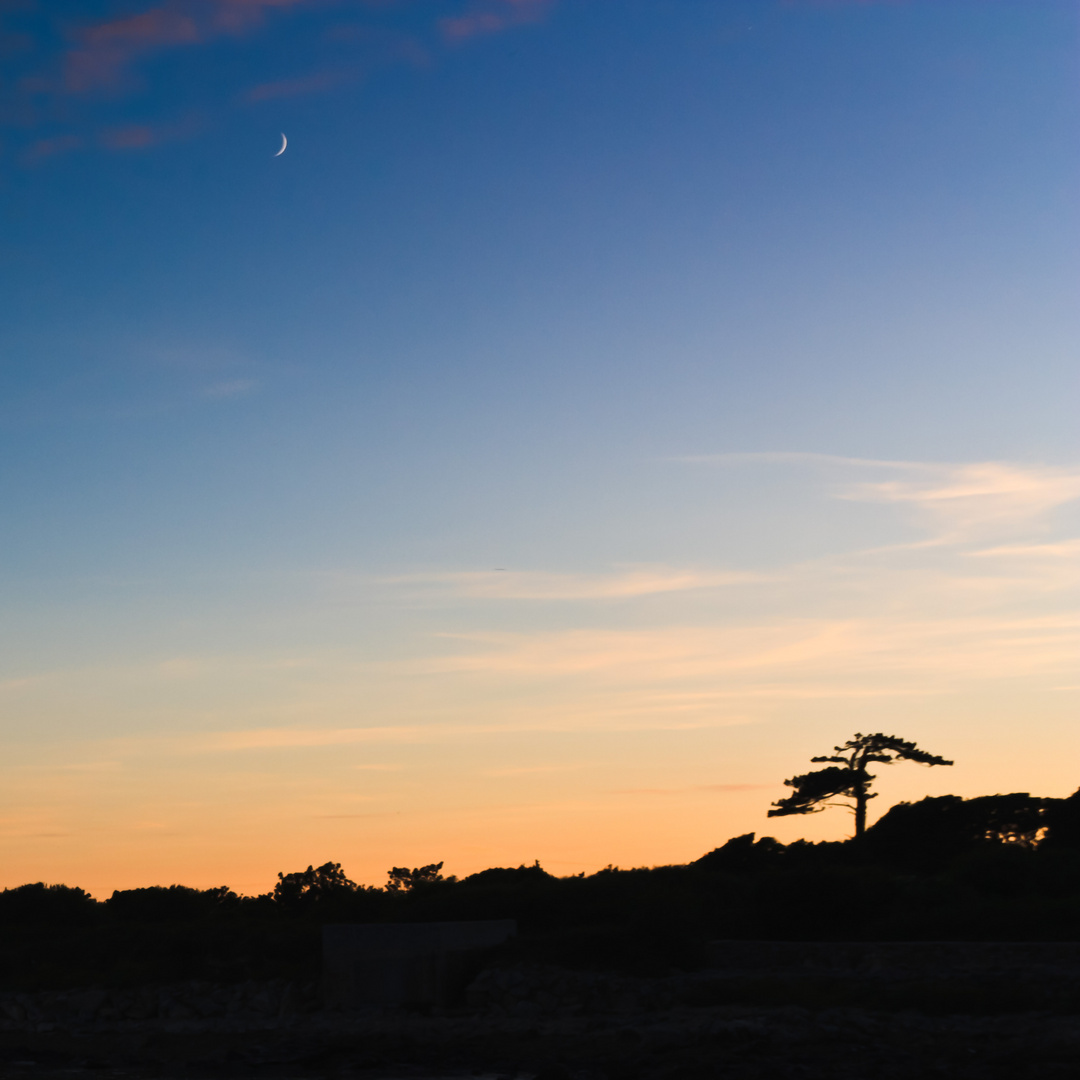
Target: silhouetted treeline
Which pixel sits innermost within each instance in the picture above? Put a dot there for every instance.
(1001, 867)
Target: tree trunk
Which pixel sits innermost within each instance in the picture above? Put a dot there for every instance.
(861, 799)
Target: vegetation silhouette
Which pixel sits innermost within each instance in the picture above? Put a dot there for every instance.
(305, 890)
(931, 832)
(847, 776)
(401, 879)
(995, 867)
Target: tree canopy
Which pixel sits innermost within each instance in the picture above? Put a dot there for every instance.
(847, 776)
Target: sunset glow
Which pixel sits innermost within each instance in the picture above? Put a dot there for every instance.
(599, 410)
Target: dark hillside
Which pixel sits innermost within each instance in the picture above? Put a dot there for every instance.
(1003, 867)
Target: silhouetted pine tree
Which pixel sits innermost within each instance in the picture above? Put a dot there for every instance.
(847, 776)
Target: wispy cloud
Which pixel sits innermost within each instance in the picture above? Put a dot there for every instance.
(142, 136)
(716, 789)
(536, 770)
(105, 59)
(123, 137)
(1025, 571)
(794, 457)
(230, 388)
(295, 738)
(314, 738)
(41, 149)
(959, 502)
(535, 585)
(793, 657)
(104, 52)
(200, 357)
(132, 137)
(1063, 549)
(238, 16)
(844, 3)
(105, 49)
(966, 501)
(493, 17)
(316, 83)
(653, 654)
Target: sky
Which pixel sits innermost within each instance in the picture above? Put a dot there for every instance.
(599, 409)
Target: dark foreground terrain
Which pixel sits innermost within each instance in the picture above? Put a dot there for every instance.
(550, 1023)
(944, 942)
(725, 1041)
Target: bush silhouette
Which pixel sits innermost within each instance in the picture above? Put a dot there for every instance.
(41, 903)
(177, 903)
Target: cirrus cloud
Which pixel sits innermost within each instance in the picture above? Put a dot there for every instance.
(493, 18)
(958, 501)
(963, 501)
(315, 83)
(533, 585)
(105, 49)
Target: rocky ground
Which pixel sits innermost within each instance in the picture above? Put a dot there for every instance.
(539, 1023)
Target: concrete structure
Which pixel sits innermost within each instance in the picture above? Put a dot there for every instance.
(405, 963)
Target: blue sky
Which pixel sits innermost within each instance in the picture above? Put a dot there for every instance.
(714, 326)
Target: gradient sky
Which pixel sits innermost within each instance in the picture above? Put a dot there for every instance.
(601, 407)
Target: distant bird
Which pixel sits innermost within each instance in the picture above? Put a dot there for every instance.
(284, 143)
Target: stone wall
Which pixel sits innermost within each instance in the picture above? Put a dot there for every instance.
(406, 963)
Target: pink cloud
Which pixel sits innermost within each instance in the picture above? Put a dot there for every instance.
(133, 137)
(11, 42)
(157, 26)
(493, 18)
(102, 55)
(842, 3)
(107, 48)
(47, 148)
(385, 45)
(236, 16)
(305, 84)
(140, 136)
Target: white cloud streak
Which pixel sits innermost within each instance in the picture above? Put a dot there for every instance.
(230, 388)
(534, 585)
(1062, 549)
(963, 502)
(957, 502)
(815, 653)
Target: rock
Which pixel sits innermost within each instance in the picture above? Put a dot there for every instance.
(87, 1003)
(553, 1072)
(287, 1007)
(13, 1011)
(141, 1007)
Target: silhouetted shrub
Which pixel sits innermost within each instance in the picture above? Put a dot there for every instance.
(303, 891)
(934, 831)
(926, 833)
(1063, 822)
(402, 879)
(59, 905)
(741, 855)
(508, 877)
(177, 903)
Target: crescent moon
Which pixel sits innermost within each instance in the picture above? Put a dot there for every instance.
(284, 143)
